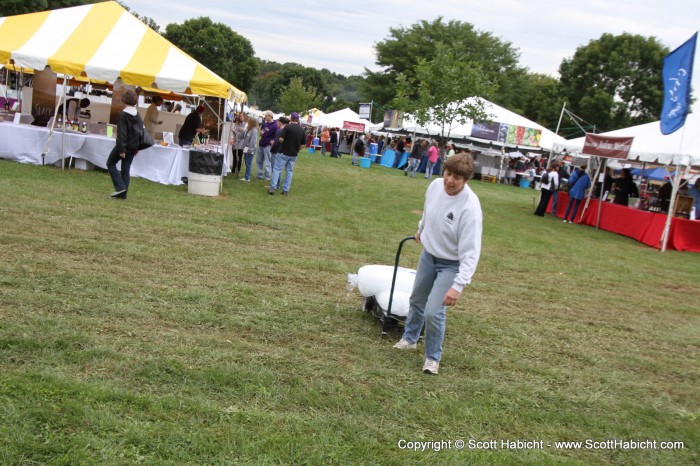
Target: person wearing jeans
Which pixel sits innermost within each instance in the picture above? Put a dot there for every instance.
(129, 129)
(292, 139)
(579, 182)
(250, 142)
(415, 157)
(267, 136)
(450, 232)
(432, 159)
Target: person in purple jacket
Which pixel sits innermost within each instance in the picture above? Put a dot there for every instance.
(267, 136)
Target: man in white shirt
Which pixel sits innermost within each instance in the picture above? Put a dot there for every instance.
(450, 232)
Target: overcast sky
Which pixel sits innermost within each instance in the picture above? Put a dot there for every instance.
(340, 35)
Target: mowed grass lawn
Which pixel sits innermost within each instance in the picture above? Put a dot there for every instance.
(181, 329)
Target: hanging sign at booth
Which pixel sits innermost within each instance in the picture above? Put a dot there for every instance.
(352, 126)
(43, 96)
(365, 111)
(393, 119)
(212, 116)
(115, 109)
(506, 133)
(607, 146)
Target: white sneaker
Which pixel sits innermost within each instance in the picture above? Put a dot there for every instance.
(431, 367)
(405, 344)
(243, 179)
(564, 220)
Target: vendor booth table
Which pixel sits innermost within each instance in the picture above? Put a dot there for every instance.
(643, 226)
(26, 143)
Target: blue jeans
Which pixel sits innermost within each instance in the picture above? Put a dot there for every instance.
(412, 164)
(429, 169)
(264, 160)
(248, 156)
(555, 198)
(286, 162)
(273, 156)
(576, 204)
(120, 179)
(434, 278)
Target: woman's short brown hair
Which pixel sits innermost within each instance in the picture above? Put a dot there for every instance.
(461, 165)
(130, 97)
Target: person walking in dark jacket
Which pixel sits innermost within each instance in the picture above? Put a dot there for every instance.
(129, 130)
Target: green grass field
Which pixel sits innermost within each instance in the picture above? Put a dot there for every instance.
(180, 329)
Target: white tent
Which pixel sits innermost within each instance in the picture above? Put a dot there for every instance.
(336, 119)
(649, 145)
(497, 114)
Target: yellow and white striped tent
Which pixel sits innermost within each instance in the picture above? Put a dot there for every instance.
(104, 42)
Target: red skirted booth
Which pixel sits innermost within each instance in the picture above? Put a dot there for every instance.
(645, 227)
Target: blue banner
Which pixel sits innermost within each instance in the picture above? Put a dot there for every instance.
(677, 73)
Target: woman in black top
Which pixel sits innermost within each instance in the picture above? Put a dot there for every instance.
(624, 188)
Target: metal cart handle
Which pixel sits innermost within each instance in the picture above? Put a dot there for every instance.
(396, 269)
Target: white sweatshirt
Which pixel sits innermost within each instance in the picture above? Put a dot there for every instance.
(451, 229)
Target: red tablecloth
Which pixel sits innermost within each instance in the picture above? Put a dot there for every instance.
(645, 227)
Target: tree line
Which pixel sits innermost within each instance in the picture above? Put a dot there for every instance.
(612, 82)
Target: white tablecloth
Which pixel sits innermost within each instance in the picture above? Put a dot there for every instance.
(25, 143)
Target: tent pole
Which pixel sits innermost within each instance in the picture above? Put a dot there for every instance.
(600, 200)
(561, 115)
(646, 184)
(51, 129)
(672, 205)
(19, 89)
(590, 193)
(63, 134)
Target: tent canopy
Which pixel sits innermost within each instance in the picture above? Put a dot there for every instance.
(104, 42)
(656, 174)
(649, 145)
(497, 114)
(336, 119)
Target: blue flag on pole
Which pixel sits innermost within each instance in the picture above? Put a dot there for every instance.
(677, 73)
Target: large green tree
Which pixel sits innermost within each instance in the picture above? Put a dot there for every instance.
(298, 98)
(615, 81)
(275, 78)
(20, 7)
(431, 97)
(402, 50)
(217, 47)
(538, 99)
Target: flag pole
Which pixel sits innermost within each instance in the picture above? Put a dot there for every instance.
(671, 207)
(677, 76)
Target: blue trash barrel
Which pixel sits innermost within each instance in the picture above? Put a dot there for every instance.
(373, 148)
